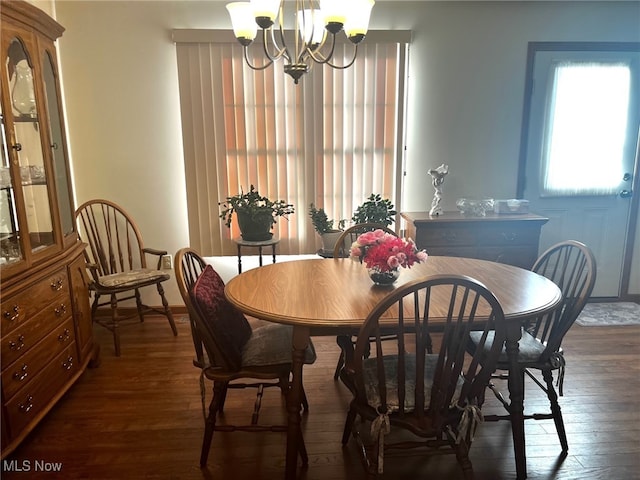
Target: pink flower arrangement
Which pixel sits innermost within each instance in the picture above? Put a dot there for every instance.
(385, 252)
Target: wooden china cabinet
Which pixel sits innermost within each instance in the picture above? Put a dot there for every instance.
(45, 318)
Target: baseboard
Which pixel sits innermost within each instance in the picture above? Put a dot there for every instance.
(631, 298)
(622, 298)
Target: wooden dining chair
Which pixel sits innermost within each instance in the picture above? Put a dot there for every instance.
(435, 397)
(230, 352)
(341, 249)
(572, 266)
(117, 262)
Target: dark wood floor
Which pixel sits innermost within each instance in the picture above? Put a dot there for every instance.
(139, 417)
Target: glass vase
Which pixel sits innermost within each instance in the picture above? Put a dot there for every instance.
(380, 277)
(23, 95)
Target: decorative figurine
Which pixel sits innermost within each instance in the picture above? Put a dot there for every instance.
(438, 175)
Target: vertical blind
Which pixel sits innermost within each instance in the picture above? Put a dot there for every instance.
(331, 140)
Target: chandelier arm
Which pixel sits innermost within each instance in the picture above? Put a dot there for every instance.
(279, 52)
(254, 67)
(284, 50)
(342, 67)
(318, 57)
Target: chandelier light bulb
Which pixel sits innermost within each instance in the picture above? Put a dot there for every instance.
(335, 14)
(311, 26)
(357, 23)
(242, 21)
(265, 12)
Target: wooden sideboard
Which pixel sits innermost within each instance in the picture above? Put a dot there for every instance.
(511, 238)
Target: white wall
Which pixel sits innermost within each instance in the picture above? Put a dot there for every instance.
(467, 66)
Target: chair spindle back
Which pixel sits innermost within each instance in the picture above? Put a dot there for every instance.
(572, 266)
(114, 240)
(456, 378)
(188, 267)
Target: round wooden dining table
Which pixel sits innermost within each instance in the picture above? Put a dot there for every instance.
(334, 296)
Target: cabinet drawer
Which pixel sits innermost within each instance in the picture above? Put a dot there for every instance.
(435, 237)
(468, 252)
(29, 333)
(20, 307)
(508, 235)
(519, 256)
(20, 373)
(523, 257)
(34, 397)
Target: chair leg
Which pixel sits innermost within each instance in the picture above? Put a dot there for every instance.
(339, 366)
(302, 449)
(167, 310)
(285, 387)
(555, 410)
(462, 455)
(210, 423)
(94, 306)
(114, 324)
(223, 397)
(348, 425)
(344, 342)
(139, 305)
(305, 402)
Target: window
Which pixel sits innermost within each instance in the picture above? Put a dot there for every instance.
(586, 126)
(331, 140)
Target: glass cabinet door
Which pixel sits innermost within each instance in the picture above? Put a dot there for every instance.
(28, 148)
(10, 249)
(60, 165)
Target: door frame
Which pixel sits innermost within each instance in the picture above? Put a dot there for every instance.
(632, 220)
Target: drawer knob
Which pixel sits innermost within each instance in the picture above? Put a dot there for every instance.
(64, 336)
(56, 285)
(21, 374)
(68, 364)
(61, 310)
(26, 405)
(509, 236)
(18, 344)
(13, 314)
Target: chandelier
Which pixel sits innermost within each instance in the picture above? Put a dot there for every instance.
(314, 21)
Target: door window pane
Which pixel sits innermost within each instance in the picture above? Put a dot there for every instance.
(586, 123)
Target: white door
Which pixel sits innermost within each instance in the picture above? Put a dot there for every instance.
(581, 150)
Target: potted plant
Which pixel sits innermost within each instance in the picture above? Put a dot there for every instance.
(375, 210)
(325, 227)
(256, 214)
